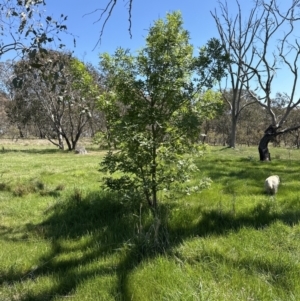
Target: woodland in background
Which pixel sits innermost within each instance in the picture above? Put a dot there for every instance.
(246, 39)
(214, 132)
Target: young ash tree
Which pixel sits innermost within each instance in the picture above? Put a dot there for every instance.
(154, 106)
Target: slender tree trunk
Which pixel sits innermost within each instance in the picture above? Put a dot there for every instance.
(153, 176)
(233, 133)
(20, 131)
(41, 134)
(297, 141)
(153, 167)
(75, 141)
(60, 140)
(68, 143)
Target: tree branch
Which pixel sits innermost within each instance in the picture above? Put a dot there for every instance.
(108, 10)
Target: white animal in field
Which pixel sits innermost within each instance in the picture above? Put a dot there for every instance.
(271, 184)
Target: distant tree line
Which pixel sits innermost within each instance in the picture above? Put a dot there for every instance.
(257, 43)
(249, 129)
(15, 122)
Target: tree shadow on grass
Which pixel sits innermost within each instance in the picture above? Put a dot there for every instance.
(212, 222)
(80, 231)
(218, 222)
(85, 230)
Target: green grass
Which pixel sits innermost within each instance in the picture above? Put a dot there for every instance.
(63, 238)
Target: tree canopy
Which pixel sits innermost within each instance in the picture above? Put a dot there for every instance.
(25, 28)
(160, 91)
(59, 97)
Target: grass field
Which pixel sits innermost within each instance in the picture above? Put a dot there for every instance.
(63, 238)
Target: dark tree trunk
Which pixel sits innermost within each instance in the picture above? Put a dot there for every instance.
(21, 132)
(264, 154)
(270, 134)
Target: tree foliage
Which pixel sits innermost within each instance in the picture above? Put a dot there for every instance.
(160, 92)
(26, 29)
(59, 97)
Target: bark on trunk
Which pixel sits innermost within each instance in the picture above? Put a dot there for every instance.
(60, 139)
(270, 134)
(264, 154)
(233, 134)
(21, 132)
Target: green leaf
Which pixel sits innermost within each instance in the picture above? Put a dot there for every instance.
(153, 108)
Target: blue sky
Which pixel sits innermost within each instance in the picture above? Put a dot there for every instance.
(196, 15)
(82, 23)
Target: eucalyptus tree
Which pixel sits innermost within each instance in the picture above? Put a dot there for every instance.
(4, 122)
(262, 47)
(106, 13)
(251, 122)
(160, 93)
(237, 37)
(59, 97)
(25, 28)
(292, 138)
(4, 97)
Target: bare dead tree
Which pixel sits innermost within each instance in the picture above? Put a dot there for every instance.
(237, 39)
(272, 47)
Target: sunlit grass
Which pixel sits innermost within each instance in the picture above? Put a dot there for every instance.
(62, 237)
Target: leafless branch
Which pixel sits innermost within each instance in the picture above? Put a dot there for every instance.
(106, 15)
(287, 130)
